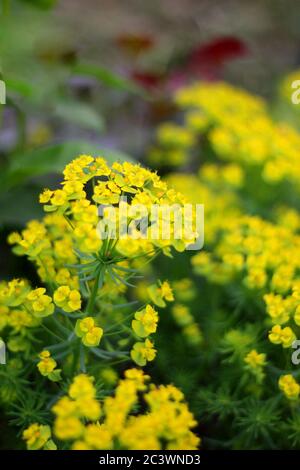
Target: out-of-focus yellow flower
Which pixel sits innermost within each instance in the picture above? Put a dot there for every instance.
(161, 293)
(289, 386)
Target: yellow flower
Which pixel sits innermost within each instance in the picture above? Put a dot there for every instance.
(64, 277)
(172, 135)
(40, 304)
(159, 294)
(58, 198)
(289, 386)
(88, 408)
(145, 322)
(68, 428)
(45, 196)
(284, 336)
(142, 353)
(47, 366)
(166, 422)
(67, 299)
(255, 363)
(106, 193)
(277, 308)
(98, 437)
(65, 407)
(138, 377)
(254, 359)
(37, 436)
(182, 315)
(88, 332)
(82, 387)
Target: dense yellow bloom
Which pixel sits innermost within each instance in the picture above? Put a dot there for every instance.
(68, 428)
(64, 277)
(166, 423)
(80, 403)
(13, 293)
(97, 436)
(68, 249)
(32, 241)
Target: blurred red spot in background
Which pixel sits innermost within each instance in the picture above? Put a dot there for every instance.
(208, 59)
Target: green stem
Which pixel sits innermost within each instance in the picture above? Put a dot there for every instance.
(82, 359)
(76, 358)
(52, 332)
(92, 299)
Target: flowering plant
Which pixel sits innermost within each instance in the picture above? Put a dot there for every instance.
(82, 319)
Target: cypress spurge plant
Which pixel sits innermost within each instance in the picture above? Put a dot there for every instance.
(83, 317)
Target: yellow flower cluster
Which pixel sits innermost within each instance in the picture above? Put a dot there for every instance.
(89, 424)
(218, 201)
(47, 366)
(79, 266)
(263, 257)
(67, 299)
(74, 223)
(39, 304)
(238, 128)
(22, 308)
(289, 386)
(255, 363)
(80, 404)
(284, 336)
(38, 436)
(89, 333)
(173, 143)
(145, 322)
